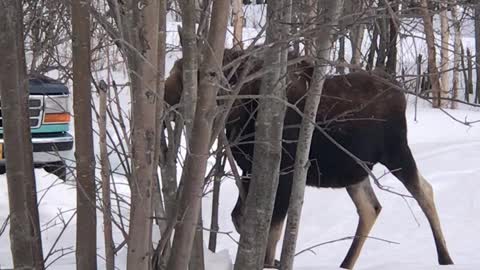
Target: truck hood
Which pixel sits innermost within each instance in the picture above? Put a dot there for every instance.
(43, 85)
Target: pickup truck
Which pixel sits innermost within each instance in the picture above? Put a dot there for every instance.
(49, 125)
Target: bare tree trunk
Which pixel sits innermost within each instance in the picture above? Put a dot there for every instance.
(357, 39)
(444, 60)
(161, 54)
(325, 38)
(197, 257)
(391, 53)
(381, 25)
(432, 65)
(456, 55)
(307, 15)
(168, 165)
(418, 83)
(469, 86)
(142, 33)
(341, 55)
(477, 50)
(356, 34)
(25, 235)
(354, 10)
(188, 41)
(268, 148)
(197, 154)
(86, 250)
(465, 74)
(373, 48)
(297, 20)
(105, 173)
(159, 201)
(219, 170)
(237, 15)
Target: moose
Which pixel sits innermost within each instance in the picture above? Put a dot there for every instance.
(361, 117)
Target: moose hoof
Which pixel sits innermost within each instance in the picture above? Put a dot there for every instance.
(445, 261)
(276, 265)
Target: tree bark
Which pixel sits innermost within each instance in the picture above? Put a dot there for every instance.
(391, 53)
(373, 48)
(105, 174)
(432, 65)
(464, 72)
(469, 86)
(25, 234)
(341, 55)
(159, 201)
(86, 247)
(357, 33)
(331, 10)
(217, 177)
(268, 142)
(353, 10)
(237, 15)
(381, 24)
(456, 55)
(141, 32)
(188, 41)
(197, 261)
(477, 50)
(197, 153)
(305, 21)
(444, 60)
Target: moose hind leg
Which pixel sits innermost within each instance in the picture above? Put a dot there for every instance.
(422, 191)
(368, 209)
(273, 238)
(404, 168)
(280, 209)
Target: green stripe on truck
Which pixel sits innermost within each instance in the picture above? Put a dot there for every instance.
(51, 128)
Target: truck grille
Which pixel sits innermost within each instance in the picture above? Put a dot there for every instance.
(35, 104)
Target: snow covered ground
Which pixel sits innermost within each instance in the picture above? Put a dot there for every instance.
(447, 153)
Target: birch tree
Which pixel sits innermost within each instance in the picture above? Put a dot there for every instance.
(237, 18)
(140, 31)
(456, 55)
(477, 49)
(444, 52)
(197, 153)
(268, 136)
(331, 10)
(432, 65)
(138, 34)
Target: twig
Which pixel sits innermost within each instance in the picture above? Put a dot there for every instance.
(310, 249)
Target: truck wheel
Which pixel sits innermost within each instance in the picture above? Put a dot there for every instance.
(57, 168)
(3, 170)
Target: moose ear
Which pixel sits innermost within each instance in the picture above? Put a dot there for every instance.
(180, 34)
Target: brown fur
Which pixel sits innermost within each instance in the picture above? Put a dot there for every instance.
(362, 112)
